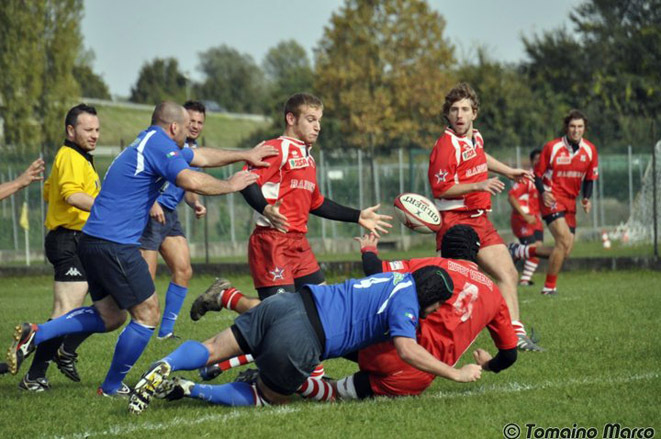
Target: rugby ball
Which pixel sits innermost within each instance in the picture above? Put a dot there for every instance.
(417, 213)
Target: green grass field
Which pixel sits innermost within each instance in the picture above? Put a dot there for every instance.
(601, 366)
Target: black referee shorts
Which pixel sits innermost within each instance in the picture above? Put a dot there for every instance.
(62, 252)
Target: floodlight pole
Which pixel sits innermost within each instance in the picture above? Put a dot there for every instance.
(657, 146)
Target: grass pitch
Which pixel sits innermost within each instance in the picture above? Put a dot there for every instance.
(601, 366)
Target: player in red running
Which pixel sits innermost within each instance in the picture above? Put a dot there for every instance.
(568, 165)
(527, 225)
(462, 189)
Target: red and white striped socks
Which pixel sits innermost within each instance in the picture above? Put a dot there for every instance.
(237, 361)
(529, 267)
(230, 297)
(316, 388)
(519, 329)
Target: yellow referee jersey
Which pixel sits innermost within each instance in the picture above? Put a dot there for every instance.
(73, 171)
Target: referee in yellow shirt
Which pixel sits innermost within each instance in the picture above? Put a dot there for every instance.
(70, 191)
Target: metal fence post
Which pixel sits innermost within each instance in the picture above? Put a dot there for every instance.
(323, 180)
(230, 200)
(361, 195)
(518, 156)
(377, 189)
(629, 152)
(13, 214)
(401, 181)
(595, 207)
(602, 206)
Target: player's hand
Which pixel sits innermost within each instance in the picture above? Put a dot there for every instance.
(587, 205)
(157, 213)
(530, 219)
(482, 357)
(548, 198)
(469, 373)
(492, 185)
(368, 241)
(278, 220)
(32, 173)
(200, 209)
(374, 222)
(520, 175)
(241, 180)
(256, 155)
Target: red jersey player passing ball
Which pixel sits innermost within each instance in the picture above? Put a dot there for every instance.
(462, 189)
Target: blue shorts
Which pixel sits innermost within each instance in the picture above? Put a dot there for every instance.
(155, 232)
(278, 333)
(116, 270)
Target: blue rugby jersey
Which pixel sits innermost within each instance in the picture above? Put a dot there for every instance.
(361, 312)
(173, 194)
(132, 184)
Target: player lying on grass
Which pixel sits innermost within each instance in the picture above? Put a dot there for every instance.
(447, 333)
(290, 334)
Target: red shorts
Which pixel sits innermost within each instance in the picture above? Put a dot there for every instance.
(561, 205)
(522, 229)
(277, 258)
(485, 230)
(389, 375)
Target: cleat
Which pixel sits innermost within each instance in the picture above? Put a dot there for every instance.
(549, 292)
(512, 248)
(39, 384)
(22, 346)
(4, 368)
(526, 283)
(123, 392)
(247, 376)
(209, 300)
(534, 336)
(208, 373)
(149, 384)
(526, 344)
(66, 362)
(174, 389)
(169, 336)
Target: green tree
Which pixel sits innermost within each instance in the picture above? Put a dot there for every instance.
(61, 90)
(91, 84)
(21, 81)
(159, 80)
(382, 68)
(232, 79)
(288, 71)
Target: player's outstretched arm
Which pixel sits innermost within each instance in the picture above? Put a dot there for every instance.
(415, 355)
(31, 174)
(501, 168)
(371, 262)
(215, 157)
(373, 221)
(204, 184)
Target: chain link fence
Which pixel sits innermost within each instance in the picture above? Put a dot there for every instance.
(350, 177)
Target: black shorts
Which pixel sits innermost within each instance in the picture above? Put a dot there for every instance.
(279, 335)
(538, 235)
(62, 252)
(155, 232)
(116, 270)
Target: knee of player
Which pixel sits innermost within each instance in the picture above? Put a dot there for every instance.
(183, 274)
(114, 320)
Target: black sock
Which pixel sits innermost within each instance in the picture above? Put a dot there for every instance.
(45, 352)
(72, 341)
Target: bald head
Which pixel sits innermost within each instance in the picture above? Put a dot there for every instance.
(173, 118)
(168, 112)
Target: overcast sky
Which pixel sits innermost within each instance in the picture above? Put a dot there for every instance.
(125, 34)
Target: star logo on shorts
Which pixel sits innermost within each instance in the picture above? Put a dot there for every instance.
(441, 176)
(277, 273)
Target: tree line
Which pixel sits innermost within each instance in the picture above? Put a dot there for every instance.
(382, 68)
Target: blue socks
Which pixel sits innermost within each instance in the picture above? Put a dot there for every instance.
(174, 300)
(190, 355)
(231, 394)
(131, 343)
(84, 319)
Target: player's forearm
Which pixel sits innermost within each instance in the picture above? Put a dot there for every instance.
(498, 167)
(502, 360)
(331, 210)
(191, 198)
(415, 355)
(588, 185)
(6, 189)
(515, 205)
(460, 189)
(371, 262)
(215, 157)
(81, 200)
(203, 184)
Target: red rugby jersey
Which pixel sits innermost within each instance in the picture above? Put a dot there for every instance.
(476, 303)
(292, 178)
(527, 195)
(458, 160)
(563, 170)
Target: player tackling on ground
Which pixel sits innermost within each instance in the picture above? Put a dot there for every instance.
(462, 189)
